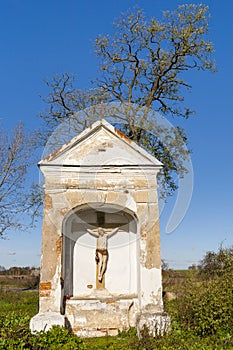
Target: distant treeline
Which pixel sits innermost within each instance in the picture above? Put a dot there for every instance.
(19, 271)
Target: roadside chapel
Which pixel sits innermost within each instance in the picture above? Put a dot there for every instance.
(100, 263)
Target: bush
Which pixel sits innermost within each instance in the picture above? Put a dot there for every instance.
(214, 264)
(15, 334)
(55, 339)
(14, 331)
(207, 306)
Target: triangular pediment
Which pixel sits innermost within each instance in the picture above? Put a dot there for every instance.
(100, 145)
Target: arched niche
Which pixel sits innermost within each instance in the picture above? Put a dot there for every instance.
(79, 267)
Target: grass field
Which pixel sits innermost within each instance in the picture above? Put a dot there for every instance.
(20, 302)
(17, 307)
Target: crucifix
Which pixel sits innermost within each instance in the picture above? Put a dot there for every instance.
(101, 256)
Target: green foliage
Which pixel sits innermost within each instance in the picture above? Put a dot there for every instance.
(14, 331)
(202, 318)
(206, 307)
(144, 61)
(216, 263)
(57, 338)
(120, 342)
(178, 339)
(164, 145)
(142, 71)
(16, 309)
(146, 341)
(15, 334)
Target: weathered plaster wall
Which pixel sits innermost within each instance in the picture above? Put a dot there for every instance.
(100, 171)
(133, 195)
(101, 317)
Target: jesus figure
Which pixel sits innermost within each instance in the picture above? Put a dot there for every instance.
(101, 256)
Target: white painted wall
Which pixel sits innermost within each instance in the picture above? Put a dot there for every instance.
(121, 276)
(121, 273)
(84, 267)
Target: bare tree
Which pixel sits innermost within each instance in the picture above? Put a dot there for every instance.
(142, 70)
(144, 63)
(14, 192)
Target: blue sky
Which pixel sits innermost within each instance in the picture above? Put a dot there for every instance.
(41, 38)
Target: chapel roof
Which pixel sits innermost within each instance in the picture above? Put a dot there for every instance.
(102, 143)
